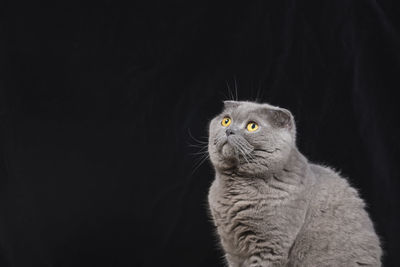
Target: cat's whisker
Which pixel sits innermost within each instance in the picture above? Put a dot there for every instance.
(243, 148)
(201, 142)
(250, 155)
(201, 149)
(231, 97)
(197, 146)
(199, 153)
(245, 145)
(197, 140)
(245, 157)
(219, 140)
(236, 90)
(203, 159)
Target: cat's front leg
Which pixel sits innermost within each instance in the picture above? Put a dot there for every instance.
(259, 261)
(233, 261)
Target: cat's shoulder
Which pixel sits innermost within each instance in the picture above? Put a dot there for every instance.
(327, 175)
(331, 181)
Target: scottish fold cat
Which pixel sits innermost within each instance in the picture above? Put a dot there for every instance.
(271, 206)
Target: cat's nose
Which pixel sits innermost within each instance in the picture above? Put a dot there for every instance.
(229, 131)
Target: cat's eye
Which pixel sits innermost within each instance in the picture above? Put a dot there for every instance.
(226, 121)
(252, 126)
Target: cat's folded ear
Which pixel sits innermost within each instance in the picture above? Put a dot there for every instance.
(281, 117)
(231, 104)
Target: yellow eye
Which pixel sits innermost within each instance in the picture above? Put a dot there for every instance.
(252, 126)
(226, 121)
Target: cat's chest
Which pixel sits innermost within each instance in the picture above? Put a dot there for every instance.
(231, 206)
(239, 216)
(246, 217)
(227, 210)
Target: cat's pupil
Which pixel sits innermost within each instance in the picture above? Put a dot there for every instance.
(253, 125)
(226, 121)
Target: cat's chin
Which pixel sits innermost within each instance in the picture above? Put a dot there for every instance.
(229, 156)
(228, 152)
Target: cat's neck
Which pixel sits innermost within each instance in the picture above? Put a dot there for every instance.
(292, 172)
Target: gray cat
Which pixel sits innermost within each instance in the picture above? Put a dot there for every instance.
(272, 207)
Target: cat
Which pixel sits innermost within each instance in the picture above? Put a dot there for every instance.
(271, 206)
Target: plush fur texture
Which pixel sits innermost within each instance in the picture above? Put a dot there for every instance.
(271, 207)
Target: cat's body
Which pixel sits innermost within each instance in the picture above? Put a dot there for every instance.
(272, 207)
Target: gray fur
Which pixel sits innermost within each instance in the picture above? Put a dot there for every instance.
(271, 207)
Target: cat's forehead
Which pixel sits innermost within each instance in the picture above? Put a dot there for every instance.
(242, 109)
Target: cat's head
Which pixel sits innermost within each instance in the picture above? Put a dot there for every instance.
(251, 138)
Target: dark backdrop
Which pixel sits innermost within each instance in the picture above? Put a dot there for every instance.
(100, 108)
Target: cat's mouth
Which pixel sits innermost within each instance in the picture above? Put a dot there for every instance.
(235, 149)
(228, 150)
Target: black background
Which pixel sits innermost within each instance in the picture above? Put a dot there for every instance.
(100, 108)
